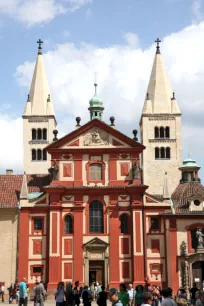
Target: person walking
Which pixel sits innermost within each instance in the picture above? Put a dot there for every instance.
(69, 295)
(155, 299)
(138, 295)
(168, 300)
(59, 294)
(23, 296)
(38, 292)
(86, 296)
(114, 298)
(193, 291)
(123, 295)
(76, 294)
(147, 299)
(131, 293)
(102, 297)
(2, 291)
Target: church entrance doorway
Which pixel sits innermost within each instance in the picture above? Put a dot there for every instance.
(96, 271)
(198, 272)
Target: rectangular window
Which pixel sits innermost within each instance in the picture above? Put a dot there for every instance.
(37, 270)
(95, 172)
(154, 224)
(38, 224)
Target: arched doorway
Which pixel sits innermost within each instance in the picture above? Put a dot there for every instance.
(198, 272)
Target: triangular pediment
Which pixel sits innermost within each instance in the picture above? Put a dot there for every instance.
(96, 242)
(95, 134)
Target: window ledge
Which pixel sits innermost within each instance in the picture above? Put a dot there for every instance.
(34, 161)
(39, 141)
(162, 158)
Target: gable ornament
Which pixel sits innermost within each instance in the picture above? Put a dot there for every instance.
(96, 138)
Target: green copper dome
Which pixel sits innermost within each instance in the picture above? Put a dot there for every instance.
(189, 163)
(96, 101)
(96, 106)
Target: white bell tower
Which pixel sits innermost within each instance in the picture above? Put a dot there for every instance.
(160, 127)
(38, 121)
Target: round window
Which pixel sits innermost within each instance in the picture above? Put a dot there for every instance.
(196, 202)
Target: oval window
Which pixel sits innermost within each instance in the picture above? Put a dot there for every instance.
(196, 202)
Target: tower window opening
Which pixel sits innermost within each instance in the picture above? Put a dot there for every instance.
(167, 132)
(95, 113)
(39, 134)
(124, 224)
(156, 132)
(161, 132)
(162, 152)
(168, 153)
(44, 134)
(156, 153)
(39, 154)
(34, 134)
(33, 154)
(44, 155)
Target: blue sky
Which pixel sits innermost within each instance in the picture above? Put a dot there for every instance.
(107, 36)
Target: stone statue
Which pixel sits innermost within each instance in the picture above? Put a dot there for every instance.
(199, 237)
(54, 171)
(183, 248)
(136, 170)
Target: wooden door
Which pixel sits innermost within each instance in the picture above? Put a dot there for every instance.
(197, 273)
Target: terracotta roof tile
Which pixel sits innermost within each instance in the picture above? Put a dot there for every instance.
(184, 192)
(10, 187)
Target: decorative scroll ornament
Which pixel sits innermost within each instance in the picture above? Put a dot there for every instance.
(96, 138)
(183, 248)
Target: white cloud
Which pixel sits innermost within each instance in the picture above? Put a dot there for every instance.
(32, 12)
(197, 12)
(123, 74)
(131, 39)
(11, 153)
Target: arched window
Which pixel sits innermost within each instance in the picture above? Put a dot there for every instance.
(156, 132)
(124, 223)
(68, 225)
(168, 152)
(95, 172)
(39, 134)
(33, 154)
(96, 217)
(39, 154)
(167, 132)
(33, 134)
(44, 155)
(161, 132)
(44, 134)
(162, 153)
(156, 153)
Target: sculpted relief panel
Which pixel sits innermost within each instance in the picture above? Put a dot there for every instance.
(96, 137)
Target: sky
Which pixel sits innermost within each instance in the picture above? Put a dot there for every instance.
(114, 38)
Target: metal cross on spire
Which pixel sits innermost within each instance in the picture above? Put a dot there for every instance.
(95, 83)
(157, 41)
(39, 42)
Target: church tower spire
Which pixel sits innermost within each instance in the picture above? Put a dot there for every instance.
(38, 120)
(160, 130)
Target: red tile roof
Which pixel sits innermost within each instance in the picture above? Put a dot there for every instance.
(10, 187)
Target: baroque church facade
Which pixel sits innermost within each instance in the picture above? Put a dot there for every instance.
(98, 205)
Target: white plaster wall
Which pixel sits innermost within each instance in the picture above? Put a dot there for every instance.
(36, 167)
(8, 245)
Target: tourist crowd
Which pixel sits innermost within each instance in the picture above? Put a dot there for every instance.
(68, 295)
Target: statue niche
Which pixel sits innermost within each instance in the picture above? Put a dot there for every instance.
(199, 239)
